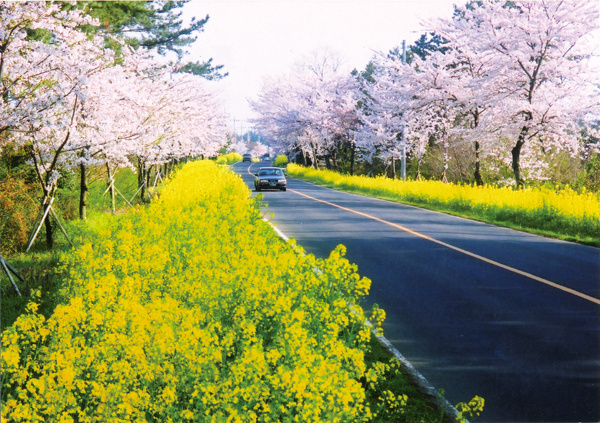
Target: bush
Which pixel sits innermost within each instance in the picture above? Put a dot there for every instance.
(280, 161)
(18, 210)
(229, 159)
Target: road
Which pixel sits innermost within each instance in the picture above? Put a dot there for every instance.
(477, 309)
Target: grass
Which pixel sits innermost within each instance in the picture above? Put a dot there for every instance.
(562, 214)
(40, 267)
(420, 407)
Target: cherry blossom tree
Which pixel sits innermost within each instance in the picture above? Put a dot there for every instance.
(136, 109)
(534, 74)
(180, 118)
(112, 122)
(449, 103)
(392, 120)
(312, 110)
(43, 85)
(66, 102)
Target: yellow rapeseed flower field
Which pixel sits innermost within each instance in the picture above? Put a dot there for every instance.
(192, 309)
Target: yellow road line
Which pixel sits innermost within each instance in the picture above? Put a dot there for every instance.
(460, 250)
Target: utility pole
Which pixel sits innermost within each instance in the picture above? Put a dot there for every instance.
(403, 142)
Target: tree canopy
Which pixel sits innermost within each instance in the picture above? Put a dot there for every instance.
(512, 84)
(156, 25)
(65, 102)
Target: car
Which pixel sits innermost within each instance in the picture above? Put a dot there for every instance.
(247, 157)
(270, 178)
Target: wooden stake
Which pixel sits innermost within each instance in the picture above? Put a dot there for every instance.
(57, 221)
(7, 269)
(46, 210)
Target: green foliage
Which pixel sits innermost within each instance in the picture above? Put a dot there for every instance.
(205, 69)
(13, 164)
(590, 177)
(116, 16)
(280, 161)
(424, 47)
(126, 182)
(42, 279)
(391, 392)
(18, 209)
(158, 25)
(20, 199)
(154, 25)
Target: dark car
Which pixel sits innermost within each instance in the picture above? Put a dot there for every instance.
(247, 158)
(270, 178)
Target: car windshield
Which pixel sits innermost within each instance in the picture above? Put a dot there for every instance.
(269, 172)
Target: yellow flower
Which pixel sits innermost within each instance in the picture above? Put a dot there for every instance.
(187, 414)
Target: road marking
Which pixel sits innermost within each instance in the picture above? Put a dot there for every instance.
(452, 247)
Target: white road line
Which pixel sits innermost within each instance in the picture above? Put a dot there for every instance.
(460, 250)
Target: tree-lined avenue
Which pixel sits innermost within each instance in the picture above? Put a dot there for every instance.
(471, 326)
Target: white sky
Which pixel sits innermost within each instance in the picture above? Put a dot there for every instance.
(256, 38)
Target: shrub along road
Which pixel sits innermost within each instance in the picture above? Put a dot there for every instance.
(477, 309)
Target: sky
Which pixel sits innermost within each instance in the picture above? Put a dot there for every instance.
(258, 38)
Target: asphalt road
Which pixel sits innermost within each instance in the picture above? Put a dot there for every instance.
(472, 306)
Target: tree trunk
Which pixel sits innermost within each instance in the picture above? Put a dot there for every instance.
(146, 197)
(83, 192)
(140, 174)
(446, 160)
(516, 156)
(142, 186)
(46, 202)
(478, 178)
(111, 188)
(352, 158)
(49, 235)
(516, 151)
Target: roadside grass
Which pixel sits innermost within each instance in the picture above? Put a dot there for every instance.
(125, 182)
(419, 406)
(563, 214)
(40, 267)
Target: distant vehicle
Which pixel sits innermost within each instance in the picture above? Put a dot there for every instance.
(270, 178)
(247, 157)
